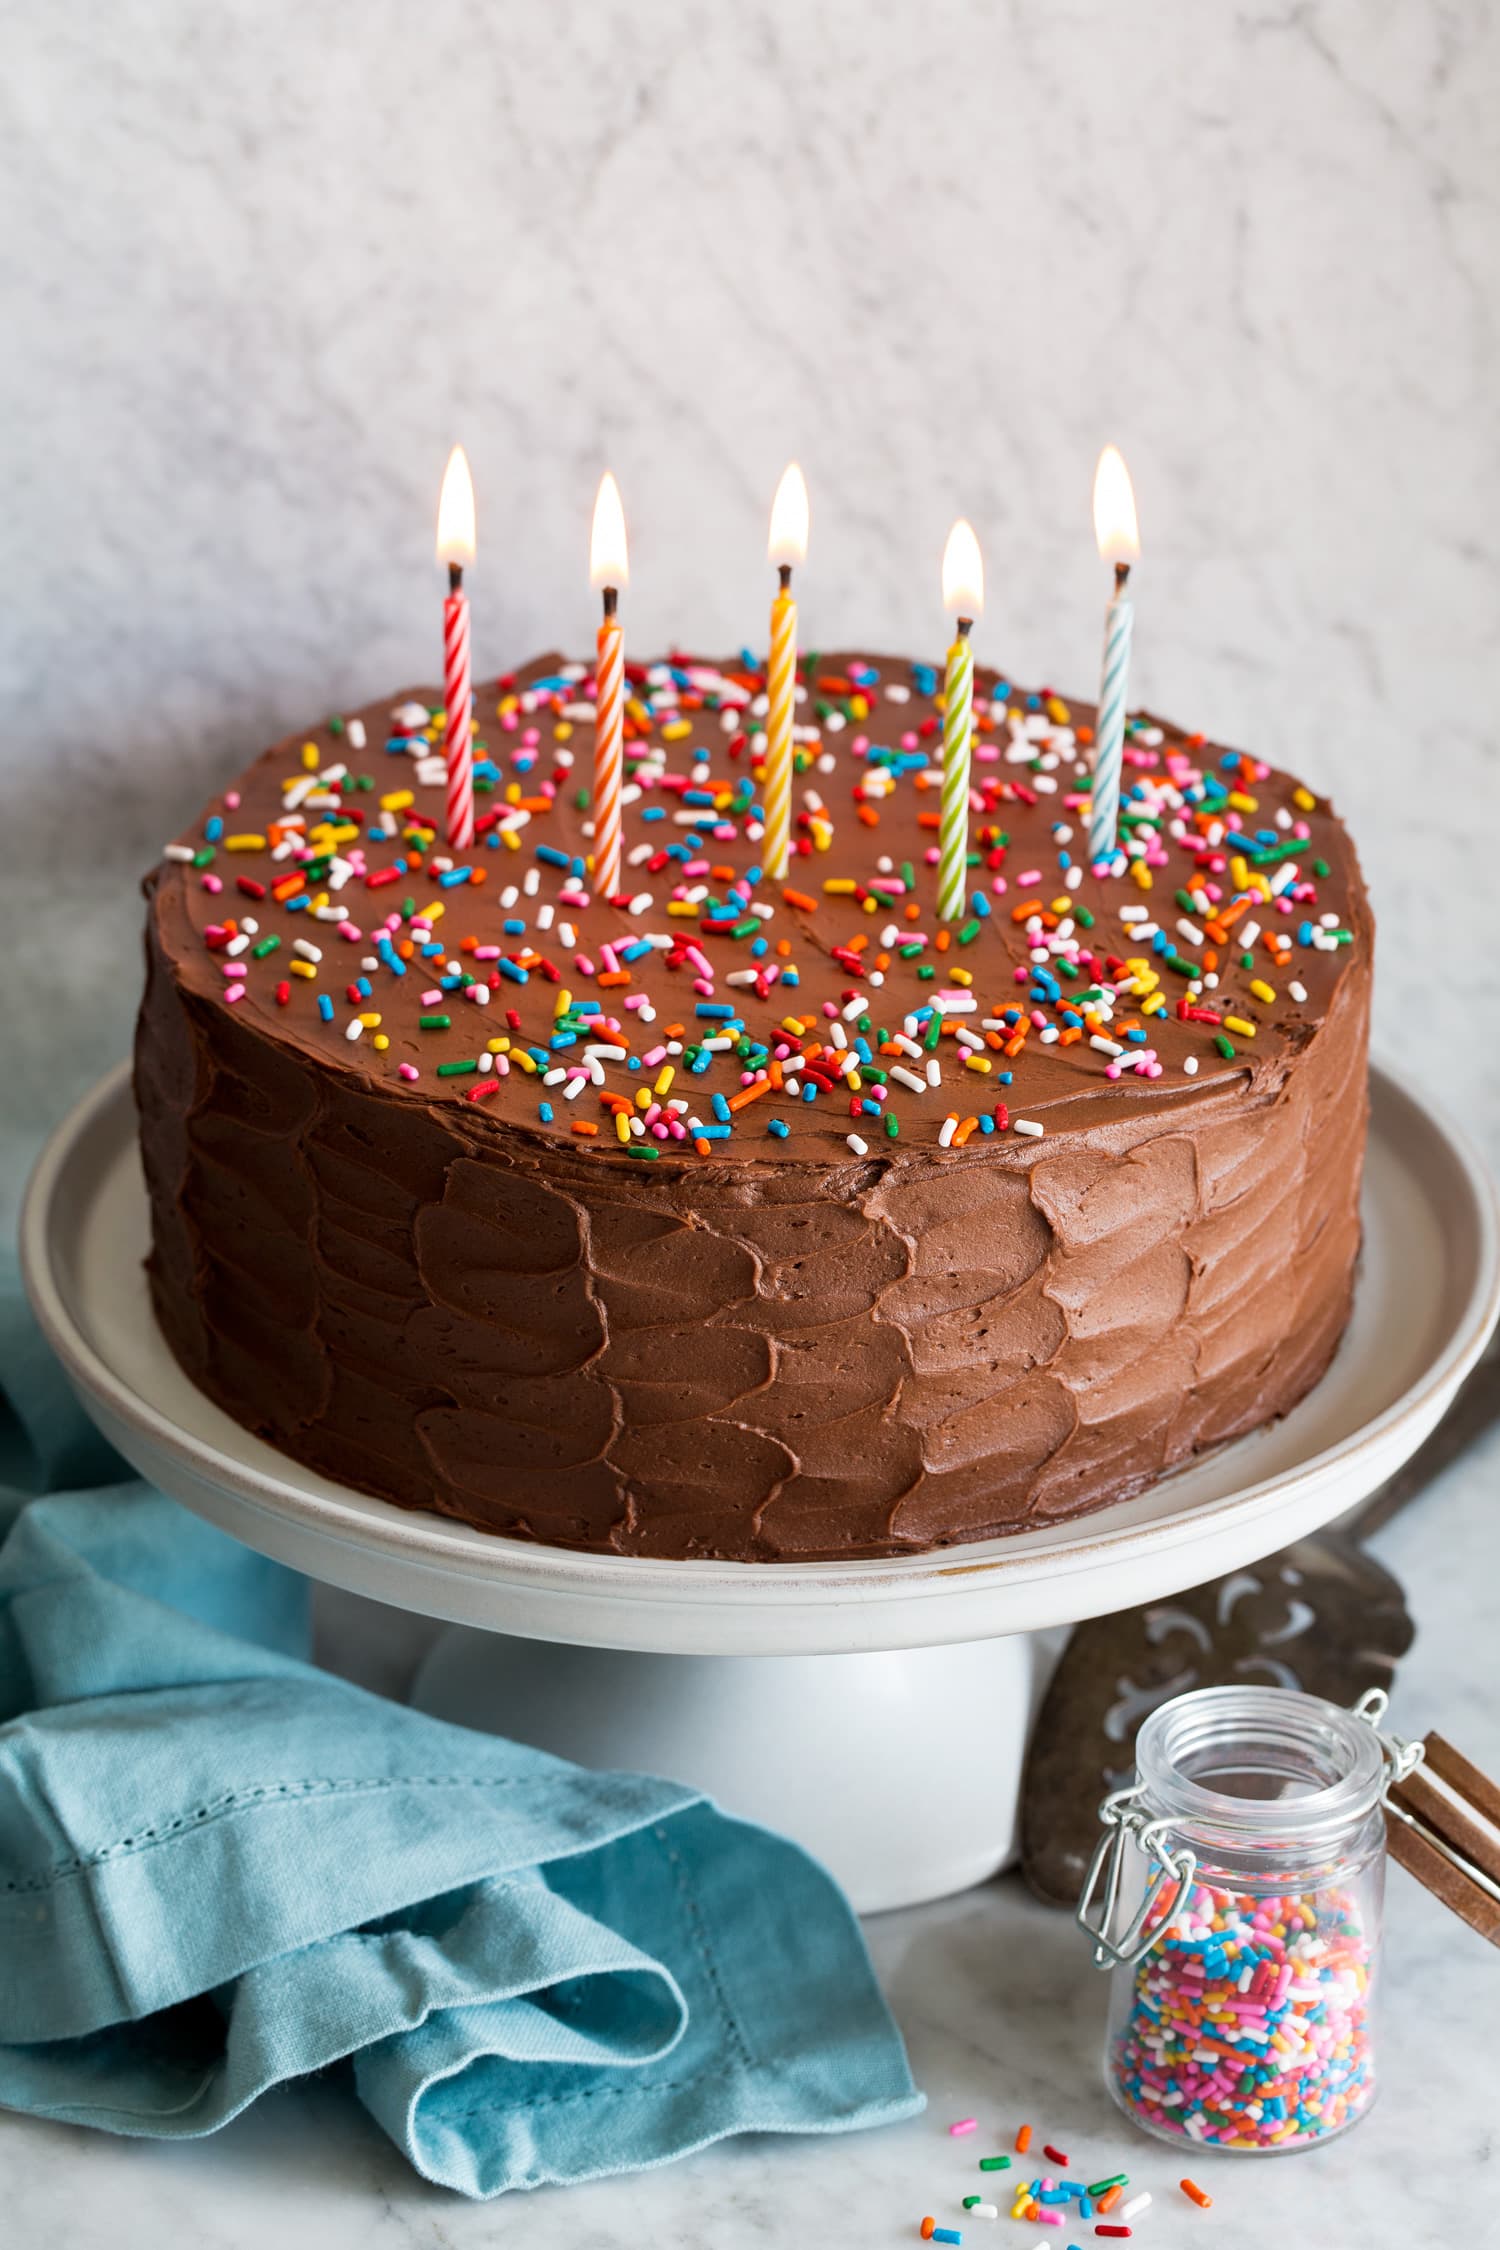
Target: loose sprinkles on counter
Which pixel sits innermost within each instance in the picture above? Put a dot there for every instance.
(1220, 896)
(1057, 2202)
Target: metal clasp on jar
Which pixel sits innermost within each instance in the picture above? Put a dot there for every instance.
(1125, 1822)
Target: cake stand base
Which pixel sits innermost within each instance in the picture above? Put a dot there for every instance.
(899, 1769)
(876, 1711)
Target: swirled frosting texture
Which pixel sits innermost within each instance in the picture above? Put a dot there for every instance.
(770, 1351)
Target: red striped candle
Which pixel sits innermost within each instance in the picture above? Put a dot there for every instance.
(455, 547)
(609, 570)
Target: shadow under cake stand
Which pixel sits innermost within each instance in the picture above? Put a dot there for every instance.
(877, 1711)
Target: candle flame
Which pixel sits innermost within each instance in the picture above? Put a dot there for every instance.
(1115, 526)
(963, 572)
(788, 540)
(455, 529)
(608, 559)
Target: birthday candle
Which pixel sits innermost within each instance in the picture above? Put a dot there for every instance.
(963, 598)
(787, 546)
(1119, 543)
(455, 547)
(609, 570)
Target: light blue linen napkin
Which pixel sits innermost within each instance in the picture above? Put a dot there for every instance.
(222, 1868)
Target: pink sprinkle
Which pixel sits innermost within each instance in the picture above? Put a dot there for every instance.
(583, 964)
(486, 952)
(657, 1054)
(235, 992)
(232, 800)
(1032, 875)
(964, 2125)
(212, 883)
(407, 1070)
(431, 999)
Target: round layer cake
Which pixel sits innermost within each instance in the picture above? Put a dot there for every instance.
(730, 1217)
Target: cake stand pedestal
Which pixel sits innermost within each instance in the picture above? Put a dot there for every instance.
(877, 1711)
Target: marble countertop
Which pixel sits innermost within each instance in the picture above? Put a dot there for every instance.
(1003, 2017)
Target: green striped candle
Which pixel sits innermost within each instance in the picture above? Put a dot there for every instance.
(963, 597)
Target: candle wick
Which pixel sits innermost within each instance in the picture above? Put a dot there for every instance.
(455, 578)
(1122, 574)
(784, 571)
(965, 627)
(611, 600)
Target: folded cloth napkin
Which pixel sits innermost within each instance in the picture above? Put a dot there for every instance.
(222, 1868)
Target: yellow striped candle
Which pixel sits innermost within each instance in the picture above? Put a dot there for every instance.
(609, 570)
(963, 598)
(787, 546)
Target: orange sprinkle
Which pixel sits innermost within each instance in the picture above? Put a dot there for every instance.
(613, 976)
(585, 1126)
(1023, 2140)
(748, 1094)
(942, 941)
(1109, 2199)
(801, 901)
(1195, 2194)
(869, 816)
(968, 1126)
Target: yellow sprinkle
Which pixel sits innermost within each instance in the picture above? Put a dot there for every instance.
(506, 705)
(1238, 1023)
(793, 1024)
(1155, 1006)
(310, 756)
(822, 836)
(622, 1124)
(1239, 872)
(370, 1021)
(247, 843)
(511, 839)
(675, 729)
(1057, 711)
(664, 1078)
(681, 906)
(859, 707)
(876, 905)
(1242, 803)
(643, 1097)
(382, 1041)
(1262, 990)
(397, 800)
(564, 1002)
(981, 1063)
(1063, 905)
(1140, 875)
(434, 912)
(302, 968)
(840, 886)
(1304, 800)
(499, 1046)
(563, 731)
(638, 711)
(513, 793)
(961, 976)
(519, 1055)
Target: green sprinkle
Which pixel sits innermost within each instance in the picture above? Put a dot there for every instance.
(994, 2164)
(435, 1023)
(266, 945)
(864, 1025)
(893, 1128)
(1225, 1046)
(747, 928)
(1320, 868)
(456, 1069)
(1083, 917)
(335, 726)
(1187, 902)
(636, 1148)
(969, 932)
(908, 874)
(934, 1033)
(971, 2200)
(909, 952)
(1116, 2179)
(1247, 960)
(205, 858)
(927, 972)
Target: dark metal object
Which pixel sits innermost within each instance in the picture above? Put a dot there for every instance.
(1323, 1615)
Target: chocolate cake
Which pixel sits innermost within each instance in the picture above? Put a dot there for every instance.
(735, 1218)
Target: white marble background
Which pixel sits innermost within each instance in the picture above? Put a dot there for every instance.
(261, 263)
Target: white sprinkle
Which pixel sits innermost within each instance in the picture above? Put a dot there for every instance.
(1127, 2211)
(307, 949)
(1191, 1066)
(1189, 930)
(909, 1079)
(531, 881)
(855, 1007)
(896, 693)
(545, 915)
(1249, 933)
(1050, 1035)
(949, 1128)
(486, 1061)
(934, 1071)
(860, 1148)
(354, 734)
(1106, 1046)
(1298, 992)
(236, 946)
(575, 1087)
(641, 903)
(1029, 1127)
(177, 851)
(553, 1077)
(354, 1029)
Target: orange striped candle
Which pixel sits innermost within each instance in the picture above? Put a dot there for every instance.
(609, 570)
(787, 546)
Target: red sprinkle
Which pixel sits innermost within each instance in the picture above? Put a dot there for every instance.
(1120, 2233)
(1056, 2154)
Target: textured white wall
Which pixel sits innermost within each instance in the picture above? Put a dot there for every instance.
(260, 264)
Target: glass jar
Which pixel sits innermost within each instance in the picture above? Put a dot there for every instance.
(1244, 1873)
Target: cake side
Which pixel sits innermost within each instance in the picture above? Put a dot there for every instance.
(763, 1346)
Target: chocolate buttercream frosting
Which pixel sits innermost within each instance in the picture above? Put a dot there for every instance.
(729, 1217)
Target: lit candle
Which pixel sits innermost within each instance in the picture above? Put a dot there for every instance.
(609, 570)
(963, 598)
(1119, 543)
(455, 547)
(787, 546)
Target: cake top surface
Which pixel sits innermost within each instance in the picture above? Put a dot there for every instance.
(709, 1014)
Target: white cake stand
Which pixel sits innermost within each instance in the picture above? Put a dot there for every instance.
(875, 1710)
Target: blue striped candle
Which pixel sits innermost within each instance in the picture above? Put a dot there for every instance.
(1119, 539)
(1109, 727)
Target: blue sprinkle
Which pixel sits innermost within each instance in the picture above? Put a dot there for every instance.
(544, 1112)
(654, 812)
(712, 1132)
(325, 1007)
(721, 1109)
(513, 926)
(778, 1126)
(551, 855)
(510, 969)
(213, 828)
(714, 1011)
(453, 876)
(986, 1123)
(980, 905)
